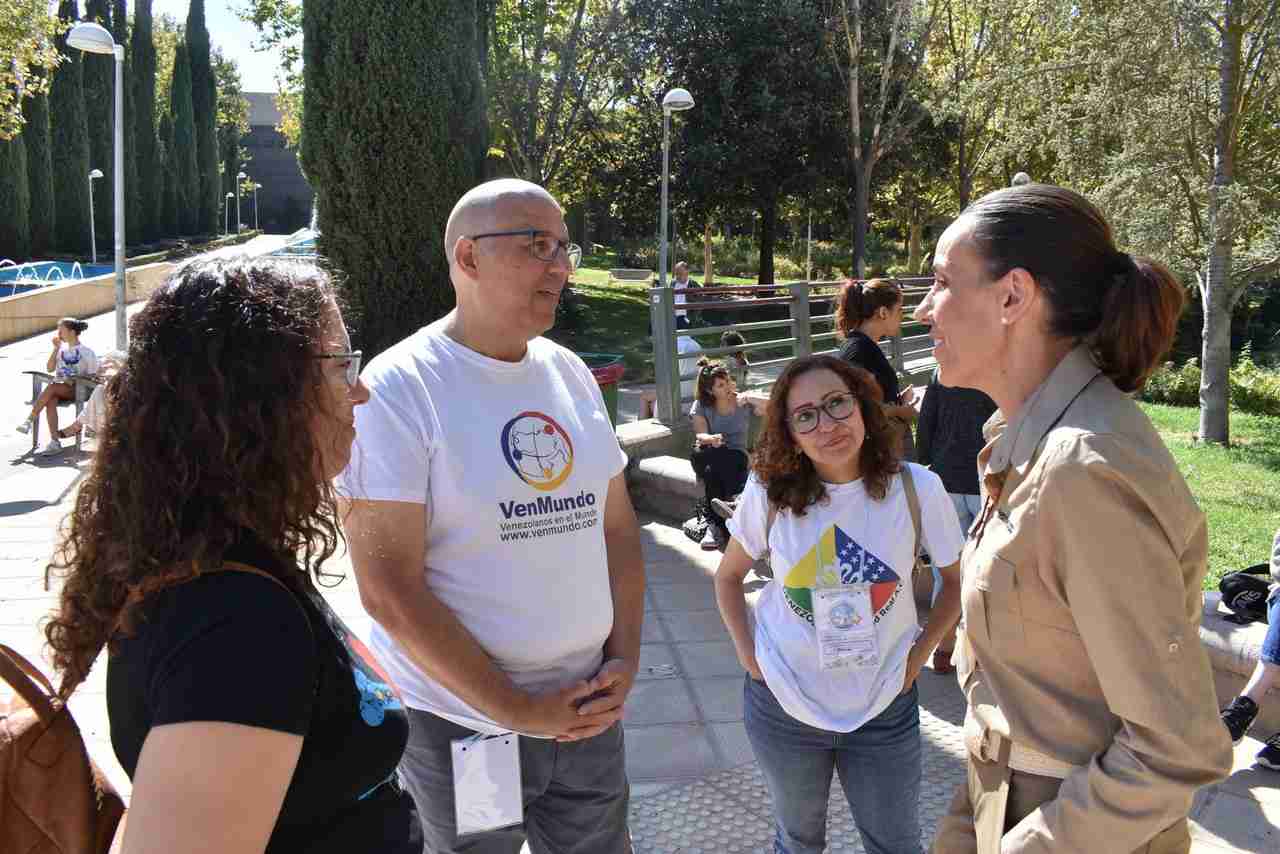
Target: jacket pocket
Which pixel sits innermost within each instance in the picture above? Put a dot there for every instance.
(996, 578)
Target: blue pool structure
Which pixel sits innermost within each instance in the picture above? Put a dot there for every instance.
(20, 278)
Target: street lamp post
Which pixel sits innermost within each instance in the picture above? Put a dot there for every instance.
(256, 187)
(240, 176)
(227, 218)
(94, 38)
(93, 234)
(677, 100)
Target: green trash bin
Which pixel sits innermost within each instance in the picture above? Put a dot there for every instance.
(608, 369)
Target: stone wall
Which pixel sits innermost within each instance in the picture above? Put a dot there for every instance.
(25, 315)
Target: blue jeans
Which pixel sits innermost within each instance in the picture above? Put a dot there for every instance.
(879, 766)
(1271, 643)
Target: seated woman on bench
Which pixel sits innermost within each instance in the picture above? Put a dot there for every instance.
(69, 359)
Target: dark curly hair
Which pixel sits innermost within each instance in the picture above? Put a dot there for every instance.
(708, 373)
(204, 440)
(788, 474)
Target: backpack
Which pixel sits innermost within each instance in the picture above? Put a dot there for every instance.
(53, 799)
(1245, 595)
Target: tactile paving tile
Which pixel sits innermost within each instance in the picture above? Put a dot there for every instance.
(730, 811)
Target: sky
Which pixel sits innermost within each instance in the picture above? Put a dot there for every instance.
(258, 71)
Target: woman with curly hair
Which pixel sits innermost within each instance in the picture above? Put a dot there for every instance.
(246, 714)
(834, 648)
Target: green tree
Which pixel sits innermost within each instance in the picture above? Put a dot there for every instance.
(184, 145)
(28, 55)
(99, 106)
(69, 140)
(233, 124)
(35, 135)
(878, 51)
(169, 223)
(15, 200)
(204, 102)
(406, 75)
(150, 183)
(279, 25)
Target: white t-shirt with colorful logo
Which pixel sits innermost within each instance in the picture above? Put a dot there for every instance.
(513, 461)
(848, 539)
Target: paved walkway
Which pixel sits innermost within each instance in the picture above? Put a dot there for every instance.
(696, 787)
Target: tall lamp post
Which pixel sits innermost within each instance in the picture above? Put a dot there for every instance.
(94, 38)
(256, 187)
(93, 234)
(227, 218)
(668, 367)
(240, 176)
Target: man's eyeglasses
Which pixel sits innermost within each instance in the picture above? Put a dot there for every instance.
(352, 366)
(543, 245)
(838, 407)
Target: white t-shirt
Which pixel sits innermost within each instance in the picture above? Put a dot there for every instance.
(513, 461)
(75, 360)
(863, 540)
(685, 344)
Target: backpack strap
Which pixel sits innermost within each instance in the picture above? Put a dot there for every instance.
(913, 504)
(27, 680)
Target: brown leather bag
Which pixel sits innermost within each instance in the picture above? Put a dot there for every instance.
(53, 799)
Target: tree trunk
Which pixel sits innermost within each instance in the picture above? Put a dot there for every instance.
(858, 215)
(915, 233)
(1217, 294)
(768, 235)
(964, 176)
(708, 273)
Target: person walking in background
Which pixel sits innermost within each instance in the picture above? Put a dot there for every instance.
(496, 548)
(682, 280)
(948, 439)
(865, 313)
(1092, 718)
(737, 361)
(834, 649)
(69, 359)
(1239, 715)
(247, 715)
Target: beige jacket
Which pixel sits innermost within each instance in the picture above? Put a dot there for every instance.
(1082, 603)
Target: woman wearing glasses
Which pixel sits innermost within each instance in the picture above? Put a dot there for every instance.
(834, 649)
(246, 714)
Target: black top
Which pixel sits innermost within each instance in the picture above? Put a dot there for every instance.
(860, 350)
(237, 647)
(949, 434)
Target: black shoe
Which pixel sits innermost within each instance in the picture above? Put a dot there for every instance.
(1238, 716)
(1269, 756)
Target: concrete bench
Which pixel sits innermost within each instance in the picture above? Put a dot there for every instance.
(1233, 651)
(627, 274)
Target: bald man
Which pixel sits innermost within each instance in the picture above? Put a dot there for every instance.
(495, 545)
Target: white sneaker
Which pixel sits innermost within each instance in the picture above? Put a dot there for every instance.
(25, 426)
(49, 450)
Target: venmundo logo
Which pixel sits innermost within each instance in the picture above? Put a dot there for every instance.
(538, 450)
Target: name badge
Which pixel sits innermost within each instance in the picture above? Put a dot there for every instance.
(486, 783)
(844, 627)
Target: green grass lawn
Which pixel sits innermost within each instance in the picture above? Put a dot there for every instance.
(1238, 487)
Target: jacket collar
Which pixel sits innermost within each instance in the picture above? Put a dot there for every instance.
(1016, 444)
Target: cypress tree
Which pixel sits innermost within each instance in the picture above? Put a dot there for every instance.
(69, 144)
(99, 106)
(132, 201)
(204, 103)
(385, 193)
(167, 222)
(15, 201)
(35, 133)
(183, 151)
(150, 184)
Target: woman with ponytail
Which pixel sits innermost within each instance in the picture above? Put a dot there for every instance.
(865, 313)
(1092, 718)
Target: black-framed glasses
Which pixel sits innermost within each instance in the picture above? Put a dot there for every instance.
(352, 366)
(838, 407)
(543, 245)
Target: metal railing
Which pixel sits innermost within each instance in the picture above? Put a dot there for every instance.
(910, 354)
